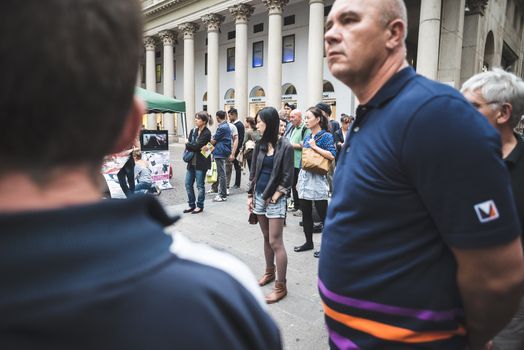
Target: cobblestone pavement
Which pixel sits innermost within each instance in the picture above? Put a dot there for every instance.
(224, 226)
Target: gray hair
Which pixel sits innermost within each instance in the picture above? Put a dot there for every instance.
(297, 112)
(502, 87)
(394, 9)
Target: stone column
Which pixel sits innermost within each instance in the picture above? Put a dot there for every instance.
(472, 59)
(274, 55)
(189, 30)
(212, 22)
(451, 42)
(168, 39)
(150, 44)
(315, 52)
(241, 13)
(429, 38)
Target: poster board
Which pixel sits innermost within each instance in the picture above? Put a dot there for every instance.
(155, 151)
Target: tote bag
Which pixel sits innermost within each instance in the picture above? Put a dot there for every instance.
(212, 174)
(314, 162)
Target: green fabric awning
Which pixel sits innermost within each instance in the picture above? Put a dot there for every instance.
(157, 103)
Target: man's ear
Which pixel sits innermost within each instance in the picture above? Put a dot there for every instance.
(131, 127)
(396, 31)
(504, 113)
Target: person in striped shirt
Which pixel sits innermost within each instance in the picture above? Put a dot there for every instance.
(421, 246)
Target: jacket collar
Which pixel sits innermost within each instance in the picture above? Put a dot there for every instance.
(49, 252)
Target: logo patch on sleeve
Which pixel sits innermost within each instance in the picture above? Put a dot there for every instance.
(486, 211)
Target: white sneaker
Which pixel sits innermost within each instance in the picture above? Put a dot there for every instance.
(210, 191)
(227, 191)
(219, 199)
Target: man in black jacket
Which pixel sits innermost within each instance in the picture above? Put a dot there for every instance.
(78, 272)
(499, 96)
(233, 118)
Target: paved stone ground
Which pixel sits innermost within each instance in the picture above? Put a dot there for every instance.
(224, 226)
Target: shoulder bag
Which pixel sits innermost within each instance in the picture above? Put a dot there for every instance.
(188, 155)
(315, 162)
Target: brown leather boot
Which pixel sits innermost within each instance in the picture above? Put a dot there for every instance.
(268, 276)
(278, 293)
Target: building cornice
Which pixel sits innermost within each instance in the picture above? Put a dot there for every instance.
(152, 7)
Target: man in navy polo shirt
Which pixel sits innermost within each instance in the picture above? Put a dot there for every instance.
(77, 272)
(421, 248)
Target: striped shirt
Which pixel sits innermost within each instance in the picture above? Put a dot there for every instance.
(418, 163)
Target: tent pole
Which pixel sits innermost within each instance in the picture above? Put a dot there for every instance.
(185, 126)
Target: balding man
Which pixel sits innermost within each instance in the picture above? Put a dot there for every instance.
(296, 134)
(421, 247)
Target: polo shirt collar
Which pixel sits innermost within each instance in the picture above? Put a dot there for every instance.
(517, 152)
(51, 252)
(392, 87)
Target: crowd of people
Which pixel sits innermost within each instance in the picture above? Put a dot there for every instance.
(420, 197)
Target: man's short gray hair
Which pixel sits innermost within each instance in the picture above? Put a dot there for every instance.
(395, 9)
(502, 87)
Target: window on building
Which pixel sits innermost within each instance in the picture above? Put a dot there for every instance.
(158, 54)
(230, 59)
(258, 54)
(205, 64)
(289, 20)
(231, 35)
(288, 49)
(509, 58)
(142, 73)
(174, 69)
(327, 9)
(158, 70)
(257, 28)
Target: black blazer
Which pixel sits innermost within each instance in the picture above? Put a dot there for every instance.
(202, 163)
(283, 168)
(338, 137)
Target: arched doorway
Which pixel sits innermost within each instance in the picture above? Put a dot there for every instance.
(229, 99)
(289, 94)
(204, 102)
(328, 96)
(489, 52)
(257, 100)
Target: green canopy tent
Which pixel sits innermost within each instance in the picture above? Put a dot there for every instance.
(157, 103)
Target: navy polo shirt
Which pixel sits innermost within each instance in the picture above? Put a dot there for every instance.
(420, 172)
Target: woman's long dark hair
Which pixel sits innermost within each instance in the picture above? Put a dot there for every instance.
(269, 116)
(324, 122)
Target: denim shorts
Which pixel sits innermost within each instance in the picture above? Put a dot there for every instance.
(271, 210)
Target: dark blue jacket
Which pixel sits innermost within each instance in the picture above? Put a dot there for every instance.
(102, 276)
(223, 139)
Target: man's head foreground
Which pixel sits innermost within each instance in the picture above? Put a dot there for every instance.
(365, 41)
(66, 97)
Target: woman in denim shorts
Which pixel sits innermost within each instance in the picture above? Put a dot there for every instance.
(270, 178)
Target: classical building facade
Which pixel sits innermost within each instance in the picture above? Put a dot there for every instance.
(215, 54)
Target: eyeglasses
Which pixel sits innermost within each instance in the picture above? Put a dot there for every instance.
(477, 105)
